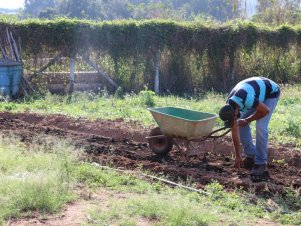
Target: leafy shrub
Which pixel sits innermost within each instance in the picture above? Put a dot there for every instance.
(293, 128)
(147, 98)
(119, 93)
(291, 199)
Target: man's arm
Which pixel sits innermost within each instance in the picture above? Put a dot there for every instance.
(261, 111)
(236, 143)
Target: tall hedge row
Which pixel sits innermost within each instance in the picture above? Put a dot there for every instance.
(193, 56)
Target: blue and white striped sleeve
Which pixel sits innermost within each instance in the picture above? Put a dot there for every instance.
(251, 101)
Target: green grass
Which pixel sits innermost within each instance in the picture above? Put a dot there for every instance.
(33, 178)
(285, 125)
(163, 205)
(95, 178)
(161, 209)
(42, 176)
(179, 207)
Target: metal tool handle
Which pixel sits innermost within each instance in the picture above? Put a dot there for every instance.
(218, 130)
(211, 136)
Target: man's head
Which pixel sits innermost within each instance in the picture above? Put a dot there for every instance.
(227, 113)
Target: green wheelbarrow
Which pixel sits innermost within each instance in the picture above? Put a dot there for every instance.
(181, 124)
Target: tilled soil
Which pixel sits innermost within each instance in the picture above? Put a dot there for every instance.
(123, 144)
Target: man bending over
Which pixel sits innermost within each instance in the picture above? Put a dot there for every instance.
(253, 99)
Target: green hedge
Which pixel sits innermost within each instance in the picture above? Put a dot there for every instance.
(124, 38)
(219, 47)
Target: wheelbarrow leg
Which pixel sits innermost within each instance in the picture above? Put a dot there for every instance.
(187, 145)
(187, 149)
(190, 150)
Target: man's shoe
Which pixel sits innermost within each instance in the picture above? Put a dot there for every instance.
(259, 170)
(248, 163)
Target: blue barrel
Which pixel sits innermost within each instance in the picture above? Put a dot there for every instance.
(10, 77)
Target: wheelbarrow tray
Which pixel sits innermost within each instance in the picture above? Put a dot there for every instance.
(182, 123)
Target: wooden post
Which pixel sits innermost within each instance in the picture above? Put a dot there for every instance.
(72, 71)
(4, 54)
(15, 48)
(20, 49)
(10, 45)
(99, 70)
(157, 75)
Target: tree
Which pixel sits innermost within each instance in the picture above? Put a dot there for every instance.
(80, 9)
(33, 8)
(91, 9)
(154, 9)
(278, 12)
(48, 13)
(116, 9)
(137, 9)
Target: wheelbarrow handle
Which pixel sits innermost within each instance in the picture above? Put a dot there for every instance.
(218, 130)
(211, 136)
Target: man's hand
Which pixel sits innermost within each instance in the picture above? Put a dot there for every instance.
(238, 162)
(242, 122)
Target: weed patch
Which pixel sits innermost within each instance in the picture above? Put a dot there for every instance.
(32, 180)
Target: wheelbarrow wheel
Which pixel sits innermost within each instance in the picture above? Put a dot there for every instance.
(161, 145)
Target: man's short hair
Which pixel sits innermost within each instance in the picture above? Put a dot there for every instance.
(226, 113)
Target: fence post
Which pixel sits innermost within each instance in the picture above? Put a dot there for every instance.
(157, 75)
(72, 71)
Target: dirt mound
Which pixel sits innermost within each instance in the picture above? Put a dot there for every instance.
(123, 144)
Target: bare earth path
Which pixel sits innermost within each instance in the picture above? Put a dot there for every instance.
(72, 214)
(123, 145)
(78, 213)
